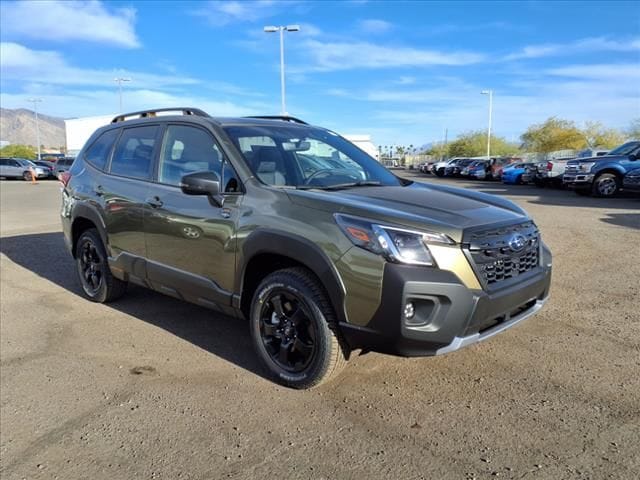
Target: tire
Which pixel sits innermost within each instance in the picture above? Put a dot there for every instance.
(98, 284)
(440, 172)
(26, 176)
(299, 346)
(606, 185)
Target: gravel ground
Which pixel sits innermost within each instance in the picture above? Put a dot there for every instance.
(150, 387)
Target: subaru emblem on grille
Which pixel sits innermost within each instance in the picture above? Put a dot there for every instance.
(517, 242)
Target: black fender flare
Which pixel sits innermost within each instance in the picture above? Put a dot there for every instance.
(299, 249)
(84, 210)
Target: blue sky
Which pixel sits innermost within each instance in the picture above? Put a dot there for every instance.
(400, 71)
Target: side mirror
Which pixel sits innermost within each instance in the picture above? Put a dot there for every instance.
(203, 183)
(633, 156)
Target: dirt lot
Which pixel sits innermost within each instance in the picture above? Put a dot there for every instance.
(150, 387)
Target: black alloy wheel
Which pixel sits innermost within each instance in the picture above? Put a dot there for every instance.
(294, 329)
(91, 266)
(287, 332)
(98, 283)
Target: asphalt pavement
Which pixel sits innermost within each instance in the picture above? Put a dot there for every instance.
(151, 387)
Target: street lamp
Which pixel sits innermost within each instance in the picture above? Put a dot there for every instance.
(119, 81)
(282, 29)
(35, 102)
(490, 93)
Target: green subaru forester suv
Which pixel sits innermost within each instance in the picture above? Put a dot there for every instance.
(297, 230)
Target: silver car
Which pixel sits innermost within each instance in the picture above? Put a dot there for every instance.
(20, 168)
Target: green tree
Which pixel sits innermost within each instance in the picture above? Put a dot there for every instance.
(633, 132)
(597, 135)
(553, 134)
(20, 151)
(474, 144)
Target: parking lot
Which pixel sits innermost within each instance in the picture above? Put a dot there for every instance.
(150, 387)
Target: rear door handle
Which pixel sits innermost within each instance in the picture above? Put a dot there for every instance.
(154, 202)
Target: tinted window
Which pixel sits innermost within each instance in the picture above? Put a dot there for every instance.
(4, 161)
(98, 153)
(189, 150)
(133, 156)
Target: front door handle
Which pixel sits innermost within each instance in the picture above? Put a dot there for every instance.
(154, 202)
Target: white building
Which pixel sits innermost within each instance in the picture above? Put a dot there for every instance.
(364, 142)
(78, 131)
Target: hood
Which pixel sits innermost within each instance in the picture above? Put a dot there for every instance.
(437, 208)
(603, 158)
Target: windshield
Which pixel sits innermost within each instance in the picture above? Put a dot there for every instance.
(25, 163)
(624, 149)
(306, 157)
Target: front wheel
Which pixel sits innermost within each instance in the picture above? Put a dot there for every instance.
(440, 172)
(293, 329)
(606, 185)
(26, 176)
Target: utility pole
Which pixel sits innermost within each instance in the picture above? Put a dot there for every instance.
(446, 135)
(119, 81)
(35, 102)
(490, 93)
(282, 29)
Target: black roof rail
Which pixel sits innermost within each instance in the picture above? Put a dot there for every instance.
(152, 113)
(284, 118)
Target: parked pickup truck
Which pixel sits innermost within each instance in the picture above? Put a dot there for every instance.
(602, 176)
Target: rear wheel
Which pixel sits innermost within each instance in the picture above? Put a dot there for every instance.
(606, 185)
(293, 329)
(98, 284)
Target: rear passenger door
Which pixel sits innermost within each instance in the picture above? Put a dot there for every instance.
(191, 240)
(125, 194)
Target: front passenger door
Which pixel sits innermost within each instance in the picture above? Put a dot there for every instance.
(190, 240)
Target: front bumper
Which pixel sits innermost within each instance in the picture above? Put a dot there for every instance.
(448, 315)
(578, 180)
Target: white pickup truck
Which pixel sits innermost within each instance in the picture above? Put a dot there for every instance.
(550, 172)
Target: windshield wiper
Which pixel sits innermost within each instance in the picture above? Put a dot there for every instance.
(362, 183)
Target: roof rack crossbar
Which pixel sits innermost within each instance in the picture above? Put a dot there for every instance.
(152, 113)
(284, 118)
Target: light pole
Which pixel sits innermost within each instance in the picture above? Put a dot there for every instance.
(35, 102)
(282, 29)
(490, 93)
(119, 81)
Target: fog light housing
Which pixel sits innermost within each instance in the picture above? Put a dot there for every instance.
(409, 310)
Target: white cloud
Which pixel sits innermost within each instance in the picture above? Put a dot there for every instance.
(602, 72)
(20, 63)
(80, 103)
(374, 26)
(584, 45)
(219, 14)
(330, 56)
(69, 21)
(406, 80)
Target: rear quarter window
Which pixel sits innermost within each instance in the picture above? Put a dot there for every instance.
(98, 153)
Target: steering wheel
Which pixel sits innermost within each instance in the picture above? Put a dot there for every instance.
(317, 173)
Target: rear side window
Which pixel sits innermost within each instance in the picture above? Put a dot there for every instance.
(98, 153)
(133, 156)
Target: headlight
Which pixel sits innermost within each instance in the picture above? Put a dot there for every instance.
(395, 244)
(586, 167)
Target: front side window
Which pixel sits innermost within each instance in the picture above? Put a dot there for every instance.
(625, 149)
(189, 150)
(306, 157)
(98, 154)
(133, 156)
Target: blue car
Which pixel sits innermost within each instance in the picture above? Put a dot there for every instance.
(516, 174)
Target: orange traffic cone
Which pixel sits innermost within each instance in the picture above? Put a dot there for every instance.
(33, 176)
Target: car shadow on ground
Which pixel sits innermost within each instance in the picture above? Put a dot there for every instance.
(545, 196)
(45, 255)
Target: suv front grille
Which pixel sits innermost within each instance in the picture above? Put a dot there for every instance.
(503, 253)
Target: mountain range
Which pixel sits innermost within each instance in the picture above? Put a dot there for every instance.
(19, 127)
